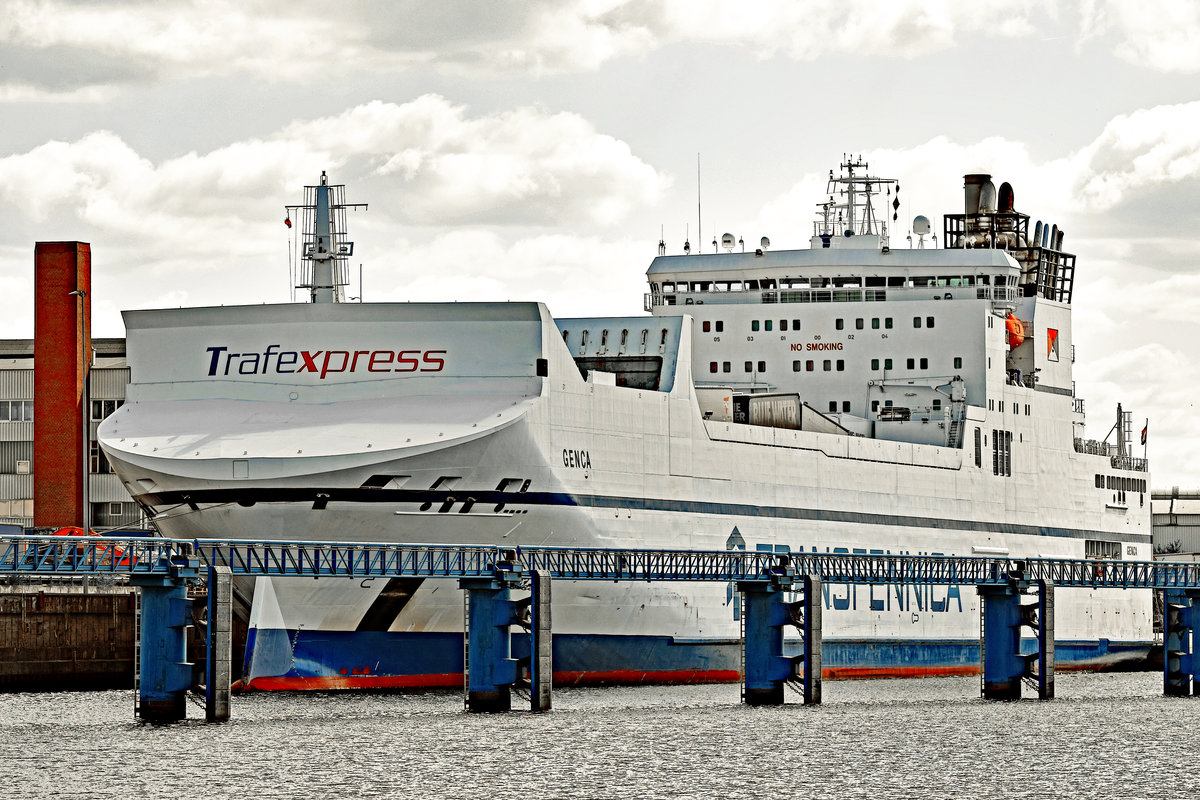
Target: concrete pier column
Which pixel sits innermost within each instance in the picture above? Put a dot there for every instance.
(218, 664)
(541, 652)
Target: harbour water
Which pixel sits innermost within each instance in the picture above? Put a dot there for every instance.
(1103, 736)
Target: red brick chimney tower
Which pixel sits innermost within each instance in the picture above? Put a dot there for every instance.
(62, 348)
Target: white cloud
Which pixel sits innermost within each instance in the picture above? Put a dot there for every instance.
(1158, 34)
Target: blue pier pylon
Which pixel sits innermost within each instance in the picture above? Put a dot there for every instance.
(766, 615)
(491, 612)
(1181, 617)
(1004, 665)
(164, 673)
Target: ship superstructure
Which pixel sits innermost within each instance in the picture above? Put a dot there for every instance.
(851, 397)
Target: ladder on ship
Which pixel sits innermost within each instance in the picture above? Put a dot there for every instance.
(466, 650)
(137, 653)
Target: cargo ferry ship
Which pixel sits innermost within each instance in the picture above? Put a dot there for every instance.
(854, 396)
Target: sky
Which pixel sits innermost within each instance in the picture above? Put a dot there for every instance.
(537, 150)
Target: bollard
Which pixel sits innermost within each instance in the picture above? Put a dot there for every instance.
(219, 641)
(541, 653)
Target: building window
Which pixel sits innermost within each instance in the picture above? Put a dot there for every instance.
(754, 325)
(924, 363)
(874, 363)
(858, 324)
(958, 362)
(707, 326)
(712, 366)
(839, 323)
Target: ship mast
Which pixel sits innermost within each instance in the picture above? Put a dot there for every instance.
(325, 250)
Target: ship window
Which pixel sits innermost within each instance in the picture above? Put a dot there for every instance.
(839, 323)
(1001, 406)
(874, 406)
(887, 323)
(846, 406)
(991, 405)
(668, 286)
(924, 363)
(822, 297)
(874, 363)
(720, 326)
(978, 448)
(795, 324)
(929, 322)
(828, 365)
(796, 366)
(663, 338)
(887, 363)
(767, 324)
(645, 336)
(725, 366)
(604, 338)
(783, 324)
(916, 322)
(762, 366)
(1099, 481)
(624, 337)
(887, 403)
(707, 326)
(749, 366)
(937, 403)
(911, 363)
(858, 324)
(841, 365)
(809, 366)
(753, 324)
(958, 362)
(566, 337)
(832, 406)
(712, 366)
(874, 323)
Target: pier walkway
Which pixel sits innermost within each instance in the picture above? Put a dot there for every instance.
(767, 581)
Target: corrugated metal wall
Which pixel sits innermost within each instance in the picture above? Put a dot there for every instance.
(16, 487)
(16, 384)
(108, 384)
(16, 431)
(12, 452)
(107, 489)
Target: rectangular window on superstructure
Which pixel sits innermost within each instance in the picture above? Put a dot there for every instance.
(797, 366)
(924, 363)
(846, 406)
(707, 326)
(762, 366)
(725, 366)
(841, 365)
(874, 323)
(720, 326)
(795, 324)
(767, 324)
(887, 363)
(1001, 406)
(916, 322)
(910, 363)
(887, 323)
(828, 365)
(929, 322)
(874, 406)
(749, 366)
(995, 452)
(839, 323)
(858, 324)
(958, 362)
(874, 363)
(978, 447)
(754, 325)
(712, 366)
(783, 324)
(833, 406)
(4, 411)
(809, 366)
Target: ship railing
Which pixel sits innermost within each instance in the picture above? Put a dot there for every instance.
(1092, 447)
(1130, 463)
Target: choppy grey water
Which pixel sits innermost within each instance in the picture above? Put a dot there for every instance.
(1104, 736)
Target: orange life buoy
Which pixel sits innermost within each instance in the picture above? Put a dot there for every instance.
(1016, 331)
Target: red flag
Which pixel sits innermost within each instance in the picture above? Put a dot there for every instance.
(1144, 432)
(287, 221)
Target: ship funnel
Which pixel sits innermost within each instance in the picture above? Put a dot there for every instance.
(1004, 204)
(987, 198)
(972, 187)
